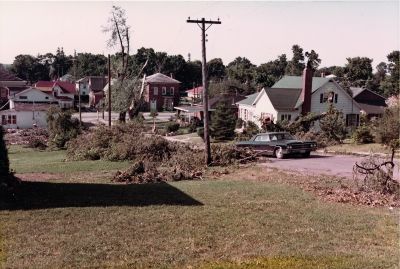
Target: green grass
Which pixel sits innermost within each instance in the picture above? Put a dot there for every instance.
(228, 223)
(351, 148)
(25, 160)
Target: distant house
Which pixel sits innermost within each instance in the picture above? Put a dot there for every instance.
(27, 109)
(9, 85)
(195, 93)
(62, 91)
(371, 103)
(294, 95)
(91, 89)
(161, 92)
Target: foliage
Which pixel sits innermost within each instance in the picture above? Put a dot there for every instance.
(216, 69)
(4, 162)
(388, 128)
(200, 132)
(363, 135)
(223, 122)
(390, 85)
(358, 70)
(61, 126)
(250, 129)
(230, 87)
(88, 64)
(171, 127)
(333, 125)
(269, 73)
(8, 183)
(241, 69)
(296, 65)
(239, 123)
(313, 59)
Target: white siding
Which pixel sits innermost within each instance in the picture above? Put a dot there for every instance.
(264, 105)
(293, 115)
(345, 103)
(25, 119)
(33, 95)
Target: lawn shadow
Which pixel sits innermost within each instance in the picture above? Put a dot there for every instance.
(42, 195)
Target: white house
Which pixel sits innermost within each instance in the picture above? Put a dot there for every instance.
(91, 89)
(27, 109)
(294, 95)
(62, 91)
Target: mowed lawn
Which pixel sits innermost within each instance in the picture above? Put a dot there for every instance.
(79, 222)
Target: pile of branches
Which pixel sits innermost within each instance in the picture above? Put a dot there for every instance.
(154, 158)
(33, 138)
(376, 174)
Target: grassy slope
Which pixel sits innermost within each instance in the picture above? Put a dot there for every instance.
(211, 224)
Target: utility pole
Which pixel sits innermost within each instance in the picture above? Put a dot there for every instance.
(202, 24)
(79, 90)
(109, 90)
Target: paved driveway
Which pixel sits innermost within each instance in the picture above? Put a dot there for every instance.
(337, 165)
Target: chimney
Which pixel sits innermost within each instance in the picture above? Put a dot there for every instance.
(306, 90)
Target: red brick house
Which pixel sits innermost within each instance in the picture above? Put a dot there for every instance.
(161, 92)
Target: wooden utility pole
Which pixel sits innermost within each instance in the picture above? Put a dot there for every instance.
(109, 90)
(202, 24)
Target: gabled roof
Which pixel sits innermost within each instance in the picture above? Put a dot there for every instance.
(8, 76)
(66, 86)
(295, 82)
(32, 89)
(161, 78)
(249, 99)
(283, 99)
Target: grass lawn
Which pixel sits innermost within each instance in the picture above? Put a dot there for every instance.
(229, 223)
(351, 147)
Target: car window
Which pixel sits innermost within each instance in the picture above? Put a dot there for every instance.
(274, 137)
(258, 138)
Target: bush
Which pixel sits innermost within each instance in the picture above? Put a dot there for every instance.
(171, 127)
(362, 135)
(239, 123)
(62, 127)
(37, 142)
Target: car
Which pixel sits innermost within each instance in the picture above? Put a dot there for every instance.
(278, 144)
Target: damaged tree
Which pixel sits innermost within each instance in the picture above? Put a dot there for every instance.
(126, 91)
(377, 173)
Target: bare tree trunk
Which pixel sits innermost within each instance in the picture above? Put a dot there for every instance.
(122, 117)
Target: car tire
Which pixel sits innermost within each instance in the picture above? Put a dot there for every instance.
(306, 155)
(278, 153)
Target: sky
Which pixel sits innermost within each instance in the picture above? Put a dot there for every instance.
(257, 30)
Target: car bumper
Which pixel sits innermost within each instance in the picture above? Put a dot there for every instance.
(297, 151)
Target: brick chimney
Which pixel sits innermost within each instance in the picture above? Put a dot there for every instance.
(306, 90)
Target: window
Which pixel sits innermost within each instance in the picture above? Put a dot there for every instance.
(164, 90)
(155, 90)
(352, 119)
(3, 93)
(23, 97)
(336, 96)
(245, 114)
(3, 120)
(171, 90)
(327, 97)
(14, 119)
(286, 117)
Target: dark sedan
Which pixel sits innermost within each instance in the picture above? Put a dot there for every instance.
(278, 144)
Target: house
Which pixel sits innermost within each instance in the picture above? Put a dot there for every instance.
(27, 109)
(293, 96)
(91, 89)
(372, 104)
(195, 94)
(9, 85)
(161, 92)
(62, 91)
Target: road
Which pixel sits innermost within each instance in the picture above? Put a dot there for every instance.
(95, 118)
(337, 165)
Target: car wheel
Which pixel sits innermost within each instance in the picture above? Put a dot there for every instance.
(278, 153)
(306, 155)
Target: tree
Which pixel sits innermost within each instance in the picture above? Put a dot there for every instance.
(23, 67)
(4, 162)
(333, 124)
(390, 85)
(88, 64)
(313, 59)
(60, 65)
(242, 70)
(61, 126)
(296, 65)
(358, 70)
(269, 73)
(216, 69)
(223, 122)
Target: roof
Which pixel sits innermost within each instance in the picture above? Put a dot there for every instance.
(161, 78)
(371, 109)
(232, 99)
(97, 83)
(283, 99)
(66, 86)
(295, 82)
(8, 76)
(249, 99)
(356, 91)
(196, 90)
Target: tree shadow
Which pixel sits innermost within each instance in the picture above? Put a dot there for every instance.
(43, 195)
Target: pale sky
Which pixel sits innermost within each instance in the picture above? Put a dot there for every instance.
(259, 31)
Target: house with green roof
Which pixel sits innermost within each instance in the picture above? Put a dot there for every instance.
(285, 99)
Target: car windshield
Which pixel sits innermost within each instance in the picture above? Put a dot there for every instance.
(281, 136)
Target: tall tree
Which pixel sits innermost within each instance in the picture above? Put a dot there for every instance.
(269, 73)
(223, 122)
(313, 59)
(60, 65)
(296, 65)
(242, 70)
(216, 69)
(358, 70)
(390, 85)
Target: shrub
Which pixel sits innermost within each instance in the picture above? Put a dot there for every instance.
(62, 127)
(239, 123)
(37, 142)
(362, 135)
(200, 132)
(171, 127)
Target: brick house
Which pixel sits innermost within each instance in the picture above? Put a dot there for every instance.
(161, 92)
